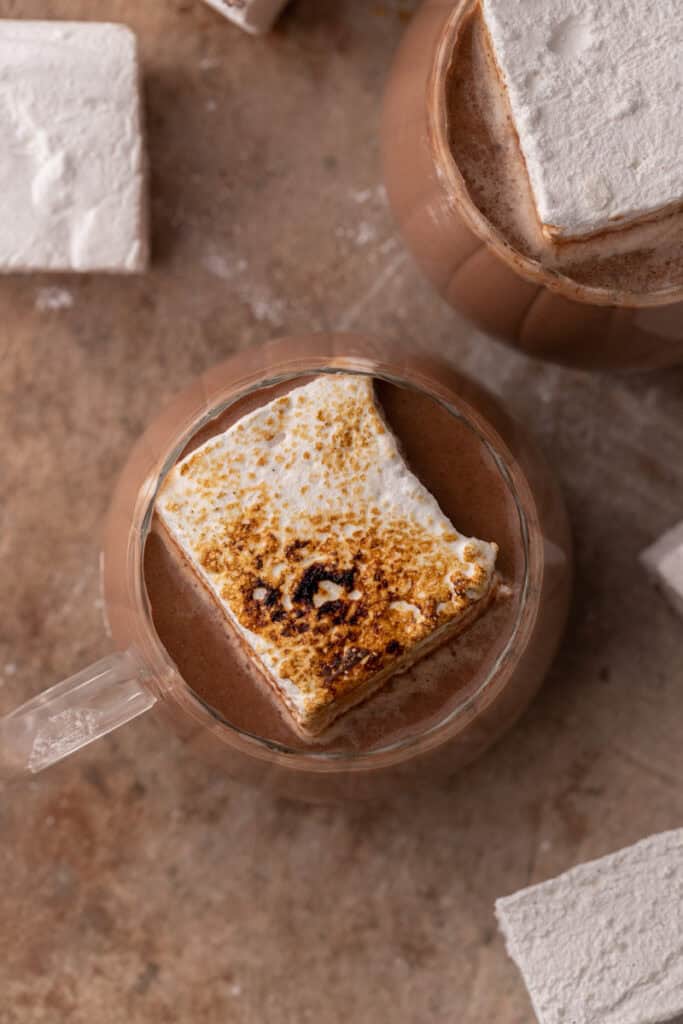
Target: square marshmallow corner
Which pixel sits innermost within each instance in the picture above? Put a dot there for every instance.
(254, 16)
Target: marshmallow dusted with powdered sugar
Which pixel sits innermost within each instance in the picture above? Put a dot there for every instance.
(603, 943)
(255, 16)
(72, 167)
(596, 96)
(664, 561)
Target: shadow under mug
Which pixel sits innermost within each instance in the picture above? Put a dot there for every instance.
(142, 676)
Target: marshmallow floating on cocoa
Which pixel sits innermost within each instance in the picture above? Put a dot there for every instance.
(594, 91)
(332, 563)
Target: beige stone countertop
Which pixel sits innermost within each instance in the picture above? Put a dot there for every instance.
(135, 884)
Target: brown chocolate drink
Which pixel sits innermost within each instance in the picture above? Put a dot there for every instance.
(460, 471)
(640, 259)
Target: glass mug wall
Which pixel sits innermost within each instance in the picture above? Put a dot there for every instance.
(175, 659)
(459, 190)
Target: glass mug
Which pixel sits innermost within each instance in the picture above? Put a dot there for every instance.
(469, 258)
(144, 675)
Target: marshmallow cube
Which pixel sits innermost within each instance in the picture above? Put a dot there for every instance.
(72, 166)
(255, 16)
(603, 943)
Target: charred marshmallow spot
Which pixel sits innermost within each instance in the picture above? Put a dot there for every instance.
(315, 576)
(327, 591)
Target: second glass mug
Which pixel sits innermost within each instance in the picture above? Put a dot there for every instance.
(143, 675)
(471, 262)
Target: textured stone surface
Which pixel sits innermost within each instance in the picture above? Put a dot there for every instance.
(604, 941)
(137, 885)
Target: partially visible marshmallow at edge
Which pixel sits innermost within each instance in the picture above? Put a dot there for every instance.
(664, 562)
(603, 943)
(255, 16)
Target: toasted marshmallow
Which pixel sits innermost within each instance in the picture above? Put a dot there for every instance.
(330, 559)
(595, 92)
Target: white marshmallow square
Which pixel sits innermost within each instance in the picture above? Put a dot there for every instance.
(72, 166)
(603, 943)
(596, 95)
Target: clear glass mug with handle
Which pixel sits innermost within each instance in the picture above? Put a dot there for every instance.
(146, 675)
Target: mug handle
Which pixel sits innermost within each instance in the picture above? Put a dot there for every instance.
(71, 714)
